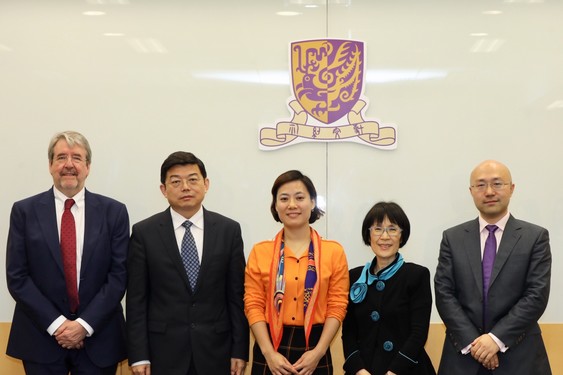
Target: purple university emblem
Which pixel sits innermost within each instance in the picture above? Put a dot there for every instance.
(327, 78)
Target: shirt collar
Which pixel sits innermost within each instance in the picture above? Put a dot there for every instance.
(501, 224)
(196, 219)
(78, 197)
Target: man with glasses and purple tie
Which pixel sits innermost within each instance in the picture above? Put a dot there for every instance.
(492, 285)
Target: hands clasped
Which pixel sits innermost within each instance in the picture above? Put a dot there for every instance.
(306, 365)
(484, 350)
(70, 335)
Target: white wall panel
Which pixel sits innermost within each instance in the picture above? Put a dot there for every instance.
(461, 86)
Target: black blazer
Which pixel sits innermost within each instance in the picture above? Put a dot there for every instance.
(167, 323)
(518, 295)
(36, 278)
(388, 329)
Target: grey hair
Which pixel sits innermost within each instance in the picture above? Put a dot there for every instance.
(72, 138)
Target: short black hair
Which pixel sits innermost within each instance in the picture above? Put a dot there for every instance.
(394, 213)
(180, 158)
(291, 176)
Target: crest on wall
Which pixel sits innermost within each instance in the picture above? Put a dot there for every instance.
(327, 77)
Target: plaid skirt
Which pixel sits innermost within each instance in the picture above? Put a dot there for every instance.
(292, 347)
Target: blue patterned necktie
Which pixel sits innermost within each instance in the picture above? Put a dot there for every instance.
(189, 254)
(489, 255)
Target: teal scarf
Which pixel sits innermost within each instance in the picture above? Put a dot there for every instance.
(359, 289)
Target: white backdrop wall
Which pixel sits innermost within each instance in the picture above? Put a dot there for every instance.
(464, 81)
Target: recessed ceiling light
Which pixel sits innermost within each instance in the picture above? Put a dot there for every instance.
(478, 34)
(492, 12)
(93, 13)
(288, 13)
(113, 34)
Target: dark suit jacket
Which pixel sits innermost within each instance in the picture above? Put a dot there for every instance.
(36, 279)
(169, 324)
(390, 321)
(518, 295)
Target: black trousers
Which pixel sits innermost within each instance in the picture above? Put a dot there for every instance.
(484, 371)
(75, 362)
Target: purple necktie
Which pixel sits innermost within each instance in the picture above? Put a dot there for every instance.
(489, 255)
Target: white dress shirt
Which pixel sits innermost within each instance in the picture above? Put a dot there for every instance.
(78, 211)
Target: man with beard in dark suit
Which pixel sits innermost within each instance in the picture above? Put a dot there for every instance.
(65, 266)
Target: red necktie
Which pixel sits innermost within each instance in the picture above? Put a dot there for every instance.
(68, 249)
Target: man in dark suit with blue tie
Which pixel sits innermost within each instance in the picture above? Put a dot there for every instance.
(66, 270)
(185, 292)
(492, 285)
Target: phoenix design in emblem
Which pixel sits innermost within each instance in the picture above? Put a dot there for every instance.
(327, 77)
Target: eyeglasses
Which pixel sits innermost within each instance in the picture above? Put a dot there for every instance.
(74, 159)
(177, 182)
(391, 231)
(496, 186)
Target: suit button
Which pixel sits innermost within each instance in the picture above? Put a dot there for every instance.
(380, 285)
(387, 346)
(374, 316)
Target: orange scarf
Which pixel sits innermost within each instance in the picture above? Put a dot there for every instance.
(275, 296)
